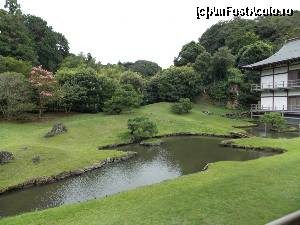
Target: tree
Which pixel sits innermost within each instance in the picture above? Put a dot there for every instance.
(188, 53)
(43, 82)
(151, 90)
(219, 91)
(240, 38)
(203, 66)
(184, 105)
(71, 94)
(144, 67)
(141, 128)
(13, 6)
(93, 90)
(15, 39)
(254, 52)
(274, 119)
(10, 64)
(51, 46)
(134, 79)
(125, 98)
(178, 82)
(235, 79)
(221, 61)
(15, 95)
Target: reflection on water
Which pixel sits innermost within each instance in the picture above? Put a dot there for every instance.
(260, 131)
(176, 157)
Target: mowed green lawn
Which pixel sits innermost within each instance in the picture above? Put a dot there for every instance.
(78, 148)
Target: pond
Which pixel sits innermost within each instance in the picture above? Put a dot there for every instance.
(177, 156)
(260, 131)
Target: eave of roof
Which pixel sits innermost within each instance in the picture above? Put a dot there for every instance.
(290, 52)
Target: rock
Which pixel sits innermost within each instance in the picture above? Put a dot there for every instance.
(237, 115)
(36, 159)
(57, 129)
(238, 135)
(155, 142)
(5, 157)
(207, 113)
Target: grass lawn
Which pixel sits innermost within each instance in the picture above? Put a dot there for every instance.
(78, 148)
(229, 193)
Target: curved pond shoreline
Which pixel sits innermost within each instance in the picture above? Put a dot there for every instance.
(230, 143)
(181, 134)
(66, 174)
(152, 165)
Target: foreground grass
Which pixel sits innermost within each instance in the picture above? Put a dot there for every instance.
(78, 148)
(231, 193)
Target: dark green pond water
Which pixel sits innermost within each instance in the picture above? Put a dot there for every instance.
(260, 131)
(177, 156)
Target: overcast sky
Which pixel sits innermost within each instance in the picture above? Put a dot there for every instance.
(128, 30)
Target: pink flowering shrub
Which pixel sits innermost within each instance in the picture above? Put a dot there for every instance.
(43, 82)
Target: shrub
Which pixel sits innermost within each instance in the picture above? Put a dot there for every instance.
(10, 64)
(134, 79)
(141, 128)
(125, 98)
(183, 106)
(179, 82)
(274, 119)
(87, 92)
(15, 95)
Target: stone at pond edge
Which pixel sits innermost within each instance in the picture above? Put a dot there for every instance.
(6, 156)
(57, 129)
(152, 143)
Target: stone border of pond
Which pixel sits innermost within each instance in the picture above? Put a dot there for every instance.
(66, 174)
(230, 143)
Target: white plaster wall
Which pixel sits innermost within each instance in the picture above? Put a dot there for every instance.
(280, 80)
(265, 81)
(267, 102)
(294, 92)
(280, 103)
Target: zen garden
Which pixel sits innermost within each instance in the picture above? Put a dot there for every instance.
(213, 139)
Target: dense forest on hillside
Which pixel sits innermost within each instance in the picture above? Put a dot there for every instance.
(227, 45)
(38, 73)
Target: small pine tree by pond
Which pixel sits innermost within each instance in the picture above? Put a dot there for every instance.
(183, 106)
(141, 128)
(275, 120)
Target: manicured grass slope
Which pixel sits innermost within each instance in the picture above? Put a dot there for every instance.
(78, 148)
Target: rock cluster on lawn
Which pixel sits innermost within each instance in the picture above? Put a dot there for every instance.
(237, 115)
(57, 129)
(5, 157)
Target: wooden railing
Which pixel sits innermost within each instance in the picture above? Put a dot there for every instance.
(289, 108)
(276, 85)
